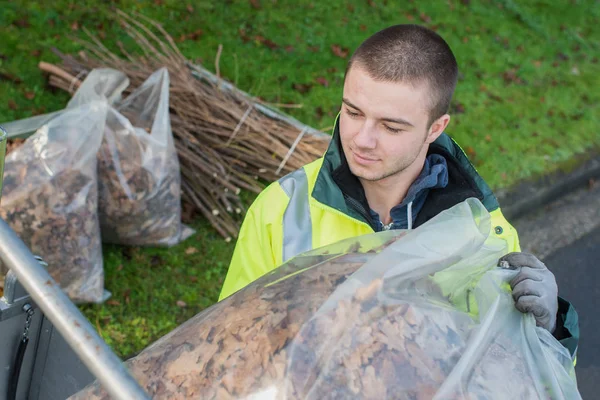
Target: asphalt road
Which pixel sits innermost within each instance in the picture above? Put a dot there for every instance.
(577, 271)
(566, 236)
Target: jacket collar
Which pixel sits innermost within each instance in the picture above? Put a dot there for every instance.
(338, 188)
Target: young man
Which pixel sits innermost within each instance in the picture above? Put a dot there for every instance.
(389, 166)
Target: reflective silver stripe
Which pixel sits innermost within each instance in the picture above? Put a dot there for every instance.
(297, 226)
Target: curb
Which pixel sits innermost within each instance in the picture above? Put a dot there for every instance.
(530, 196)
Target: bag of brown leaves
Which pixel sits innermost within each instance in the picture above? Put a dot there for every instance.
(138, 169)
(374, 317)
(50, 197)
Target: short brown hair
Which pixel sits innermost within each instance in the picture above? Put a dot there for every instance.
(411, 53)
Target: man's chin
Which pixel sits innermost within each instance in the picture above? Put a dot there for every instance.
(365, 174)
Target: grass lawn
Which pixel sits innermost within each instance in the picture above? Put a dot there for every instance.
(527, 101)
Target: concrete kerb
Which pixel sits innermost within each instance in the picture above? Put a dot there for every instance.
(530, 196)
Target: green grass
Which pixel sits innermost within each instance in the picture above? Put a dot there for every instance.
(527, 101)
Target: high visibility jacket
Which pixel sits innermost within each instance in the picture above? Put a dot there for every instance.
(323, 203)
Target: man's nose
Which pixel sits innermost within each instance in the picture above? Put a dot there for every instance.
(366, 137)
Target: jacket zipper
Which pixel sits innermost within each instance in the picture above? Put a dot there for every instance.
(360, 209)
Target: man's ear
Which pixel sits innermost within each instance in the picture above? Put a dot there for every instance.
(436, 129)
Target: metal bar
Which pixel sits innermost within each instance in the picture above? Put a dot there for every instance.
(67, 318)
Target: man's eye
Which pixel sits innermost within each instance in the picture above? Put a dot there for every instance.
(351, 114)
(392, 130)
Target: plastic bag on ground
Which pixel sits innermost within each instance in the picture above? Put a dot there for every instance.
(138, 168)
(420, 314)
(50, 198)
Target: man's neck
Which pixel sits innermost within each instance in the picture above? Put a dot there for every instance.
(385, 194)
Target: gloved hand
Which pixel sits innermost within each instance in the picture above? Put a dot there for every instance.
(534, 289)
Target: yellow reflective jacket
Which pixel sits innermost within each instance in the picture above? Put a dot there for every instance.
(323, 203)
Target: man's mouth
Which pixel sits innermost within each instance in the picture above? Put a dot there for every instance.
(364, 160)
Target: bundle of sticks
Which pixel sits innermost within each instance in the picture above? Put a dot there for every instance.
(227, 141)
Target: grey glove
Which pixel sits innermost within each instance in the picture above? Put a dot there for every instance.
(534, 289)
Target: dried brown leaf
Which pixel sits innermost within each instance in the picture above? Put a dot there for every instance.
(339, 51)
(425, 18)
(322, 81)
(191, 250)
(22, 23)
(302, 88)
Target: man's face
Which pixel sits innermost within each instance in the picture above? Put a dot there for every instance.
(383, 125)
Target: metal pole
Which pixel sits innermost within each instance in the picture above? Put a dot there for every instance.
(63, 314)
(67, 318)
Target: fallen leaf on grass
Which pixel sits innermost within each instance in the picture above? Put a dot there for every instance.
(458, 108)
(319, 112)
(339, 51)
(302, 87)
(156, 260)
(12, 105)
(243, 35)
(322, 81)
(38, 111)
(181, 303)
(471, 152)
(29, 95)
(191, 36)
(75, 26)
(190, 8)
(113, 302)
(510, 76)
(191, 250)
(267, 42)
(7, 76)
(425, 18)
(22, 23)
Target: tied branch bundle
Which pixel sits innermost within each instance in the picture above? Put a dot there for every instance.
(226, 140)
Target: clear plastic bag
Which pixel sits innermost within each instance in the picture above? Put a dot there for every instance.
(138, 168)
(372, 317)
(50, 197)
